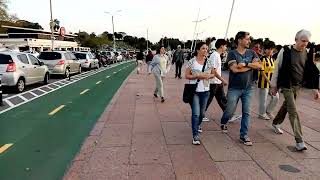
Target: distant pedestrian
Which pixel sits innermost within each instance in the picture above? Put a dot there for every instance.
(159, 66)
(149, 58)
(140, 58)
(178, 60)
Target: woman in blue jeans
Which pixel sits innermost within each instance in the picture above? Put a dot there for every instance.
(197, 75)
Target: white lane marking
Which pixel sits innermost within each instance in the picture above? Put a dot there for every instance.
(98, 82)
(107, 77)
(23, 98)
(8, 102)
(56, 110)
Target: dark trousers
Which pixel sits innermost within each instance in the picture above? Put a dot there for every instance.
(178, 69)
(216, 90)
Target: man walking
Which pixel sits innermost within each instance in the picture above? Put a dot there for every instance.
(241, 61)
(291, 72)
(216, 85)
(178, 60)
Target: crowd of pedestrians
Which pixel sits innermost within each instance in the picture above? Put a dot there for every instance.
(269, 69)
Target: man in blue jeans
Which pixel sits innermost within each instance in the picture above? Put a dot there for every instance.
(241, 61)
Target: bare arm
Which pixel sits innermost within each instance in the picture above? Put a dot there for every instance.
(265, 77)
(190, 76)
(235, 68)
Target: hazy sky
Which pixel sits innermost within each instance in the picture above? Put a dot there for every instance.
(277, 19)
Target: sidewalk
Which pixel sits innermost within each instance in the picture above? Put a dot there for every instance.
(137, 137)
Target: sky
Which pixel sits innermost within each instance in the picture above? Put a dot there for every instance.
(278, 20)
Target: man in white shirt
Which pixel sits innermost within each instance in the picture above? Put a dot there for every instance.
(216, 86)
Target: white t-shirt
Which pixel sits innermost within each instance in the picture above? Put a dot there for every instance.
(216, 61)
(196, 68)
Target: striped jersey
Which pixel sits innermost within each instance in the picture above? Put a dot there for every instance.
(268, 66)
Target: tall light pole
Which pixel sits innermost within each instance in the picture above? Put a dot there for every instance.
(114, 38)
(147, 39)
(51, 27)
(225, 37)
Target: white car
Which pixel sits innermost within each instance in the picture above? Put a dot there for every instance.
(87, 60)
(20, 69)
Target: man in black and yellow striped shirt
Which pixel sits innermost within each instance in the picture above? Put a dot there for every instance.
(264, 78)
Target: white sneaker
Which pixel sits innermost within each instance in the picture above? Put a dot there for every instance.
(270, 115)
(196, 140)
(235, 118)
(277, 129)
(264, 117)
(200, 129)
(205, 119)
(301, 146)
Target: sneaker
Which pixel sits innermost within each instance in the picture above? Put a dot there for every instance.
(235, 118)
(224, 128)
(155, 95)
(301, 146)
(205, 119)
(162, 99)
(264, 117)
(246, 141)
(277, 129)
(196, 140)
(200, 129)
(270, 115)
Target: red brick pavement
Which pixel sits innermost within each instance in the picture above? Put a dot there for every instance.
(137, 137)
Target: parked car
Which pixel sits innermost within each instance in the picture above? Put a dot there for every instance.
(87, 60)
(61, 62)
(20, 69)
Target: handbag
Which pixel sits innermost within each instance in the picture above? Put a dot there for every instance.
(190, 89)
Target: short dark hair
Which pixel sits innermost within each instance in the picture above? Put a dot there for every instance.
(269, 45)
(240, 35)
(158, 50)
(198, 47)
(220, 42)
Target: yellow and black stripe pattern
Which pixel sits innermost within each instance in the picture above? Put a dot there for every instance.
(268, 66)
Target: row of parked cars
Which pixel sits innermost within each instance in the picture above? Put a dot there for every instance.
(18, 69)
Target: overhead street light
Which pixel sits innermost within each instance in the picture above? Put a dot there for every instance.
(113, 14)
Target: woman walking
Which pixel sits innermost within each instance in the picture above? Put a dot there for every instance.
(159, 66)
(199, 71)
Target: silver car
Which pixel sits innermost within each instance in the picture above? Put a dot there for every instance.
(87, 60)
(20, 69)
(61, 62)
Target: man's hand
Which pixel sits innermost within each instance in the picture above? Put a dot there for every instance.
(241, 65)
(224, 83)
(274, 91)
(316, 94)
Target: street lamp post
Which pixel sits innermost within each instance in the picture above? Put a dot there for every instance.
(195, 29)
(147, 38)
(225, 37)
(51, 27)
(114, 38)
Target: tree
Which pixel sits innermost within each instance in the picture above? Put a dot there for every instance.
(4, 16)
(56, 25)
(27, 24)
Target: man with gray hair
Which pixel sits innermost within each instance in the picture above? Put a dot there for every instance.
(179, 60)
(290, 74)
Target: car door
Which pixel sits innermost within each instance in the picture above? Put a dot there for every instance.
(26, 68)
(38, 71)
(89, 57)
(74, 62)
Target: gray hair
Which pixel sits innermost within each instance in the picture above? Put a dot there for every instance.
(303, 33)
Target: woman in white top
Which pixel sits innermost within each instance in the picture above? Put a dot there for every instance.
(159, 66)
(193, 73)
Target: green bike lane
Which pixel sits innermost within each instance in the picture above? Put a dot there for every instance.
(43, 144)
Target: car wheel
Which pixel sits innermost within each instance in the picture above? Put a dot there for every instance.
(90, 68)
(46, 79)
(20, 85)
(67, 73)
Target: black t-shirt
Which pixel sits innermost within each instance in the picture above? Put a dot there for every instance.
(245, 79)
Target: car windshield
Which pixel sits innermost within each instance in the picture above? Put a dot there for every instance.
(5, 59)
(80, 55)
(50, 55)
